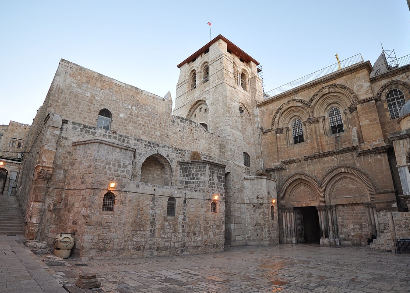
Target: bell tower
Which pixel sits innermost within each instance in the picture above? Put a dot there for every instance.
(219, 87)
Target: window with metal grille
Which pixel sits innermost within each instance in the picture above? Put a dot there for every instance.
(171, 207)
(213, 207)
(108, 202)
(193, 79)
(104, 119)
(205, 73)
(395, 101)
(335, 120)
(297, 131)
(246, 159)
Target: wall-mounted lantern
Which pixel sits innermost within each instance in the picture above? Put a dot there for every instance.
(2, 164)
(273, 201)
(112, 185)
(215, 197)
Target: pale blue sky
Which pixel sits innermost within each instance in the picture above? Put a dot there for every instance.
(141, 42)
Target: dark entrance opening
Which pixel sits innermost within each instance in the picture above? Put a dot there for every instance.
(307, 225)
(3, 179)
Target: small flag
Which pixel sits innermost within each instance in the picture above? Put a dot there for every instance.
(209, 23)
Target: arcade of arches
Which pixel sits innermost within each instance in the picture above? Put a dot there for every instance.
(317, 213)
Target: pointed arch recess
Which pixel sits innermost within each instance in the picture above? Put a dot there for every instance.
(157, 170)
(341, 173)
(329, 92)
(195, 106)
(294, 103)
(298, 179)
(391, 85)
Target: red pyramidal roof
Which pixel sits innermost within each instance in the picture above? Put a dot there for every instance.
(231, 48)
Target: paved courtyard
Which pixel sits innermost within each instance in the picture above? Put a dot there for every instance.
(285, 268)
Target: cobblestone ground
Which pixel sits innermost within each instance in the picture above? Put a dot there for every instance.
(284, 268)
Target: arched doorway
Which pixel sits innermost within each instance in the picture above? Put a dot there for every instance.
(299, 219)
(3, 179)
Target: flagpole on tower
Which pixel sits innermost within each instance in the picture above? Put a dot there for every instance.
(210, 30)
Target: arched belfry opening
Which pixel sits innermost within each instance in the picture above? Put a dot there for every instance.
(156, 170)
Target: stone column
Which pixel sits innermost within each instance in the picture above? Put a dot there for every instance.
(323, 226)
(292, 217)
(371, 220)
(42, 173)
(335, 226)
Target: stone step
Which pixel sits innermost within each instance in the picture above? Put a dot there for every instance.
(11, 223)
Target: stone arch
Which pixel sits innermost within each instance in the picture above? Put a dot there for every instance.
(156, 170)
(301, 190)
(347, 185)
(294, 103)
(3, 179)
(195, 107)
(401, 85)
(334, 89)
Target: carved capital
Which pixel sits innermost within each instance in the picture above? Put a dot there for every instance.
(43, 173)
(279, 130)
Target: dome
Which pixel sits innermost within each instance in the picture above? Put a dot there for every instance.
(405, 110)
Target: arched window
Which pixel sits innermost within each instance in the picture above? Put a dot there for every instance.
(104, 119)
(192, 79)
(108, 202)
(297, 131)
(205, 73)
(213, 207)
(272, 212)
(246, 159)
(244, 81)
(395, 100)
(335, 120)
(171, 207)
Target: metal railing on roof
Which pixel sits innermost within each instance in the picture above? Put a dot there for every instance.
(315, 75)
(401, 61)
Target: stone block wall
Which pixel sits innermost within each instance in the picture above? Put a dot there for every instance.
(354, 224)
(391, 227)
(13, 139)
(87, 159)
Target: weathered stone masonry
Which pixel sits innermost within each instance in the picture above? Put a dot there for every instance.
(223, 168)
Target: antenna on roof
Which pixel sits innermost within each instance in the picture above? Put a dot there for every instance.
(210, 30)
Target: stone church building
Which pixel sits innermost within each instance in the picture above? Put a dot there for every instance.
(126, 174)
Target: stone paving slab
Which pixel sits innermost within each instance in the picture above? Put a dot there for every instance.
(22, 271)
(283, 268)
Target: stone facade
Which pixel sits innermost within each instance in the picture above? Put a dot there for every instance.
(126, 175)
(345, 175)
(12, 144)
